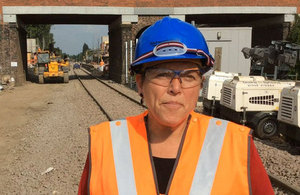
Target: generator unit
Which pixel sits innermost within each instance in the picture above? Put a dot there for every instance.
(211, 91)
(289, 114)
(253, 101)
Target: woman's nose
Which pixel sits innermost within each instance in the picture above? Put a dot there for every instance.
(175, 85)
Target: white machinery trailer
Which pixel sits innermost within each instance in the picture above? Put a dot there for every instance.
(211, 91)
(289, 113)
(253, 101)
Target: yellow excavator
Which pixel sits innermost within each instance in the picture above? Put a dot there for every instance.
(49, 67)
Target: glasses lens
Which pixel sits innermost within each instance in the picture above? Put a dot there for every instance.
(190, 78)
(160, 76)
(163, 77)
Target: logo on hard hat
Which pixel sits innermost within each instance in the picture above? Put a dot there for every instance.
(170, 48)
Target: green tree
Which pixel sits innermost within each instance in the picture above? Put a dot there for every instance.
(42, 33)
(57, 51)
(294, 37)
(85, 47)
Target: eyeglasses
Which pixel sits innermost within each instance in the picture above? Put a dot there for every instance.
(188, 78)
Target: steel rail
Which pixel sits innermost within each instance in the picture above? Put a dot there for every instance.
(90, 94)
(284, 184)
(121, 93)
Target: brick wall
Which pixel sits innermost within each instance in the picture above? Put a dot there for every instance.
(138, 28)
(118, 35)
(5, 51)
(11, 43)
(143, 22)
(150, 3)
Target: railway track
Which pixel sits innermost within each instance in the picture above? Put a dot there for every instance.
(98, 89)
(111, 87)
(277, 181)
(284, 184)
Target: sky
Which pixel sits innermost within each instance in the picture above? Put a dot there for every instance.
(70, 38)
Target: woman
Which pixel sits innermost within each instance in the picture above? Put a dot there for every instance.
(169, 149)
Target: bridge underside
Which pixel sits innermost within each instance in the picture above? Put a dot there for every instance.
(67, 19)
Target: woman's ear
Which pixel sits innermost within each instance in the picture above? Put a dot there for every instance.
(139, 82)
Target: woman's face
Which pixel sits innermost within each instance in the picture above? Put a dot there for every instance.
(169, 105)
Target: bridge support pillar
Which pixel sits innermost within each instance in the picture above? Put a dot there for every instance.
(12, 39)
(120, 32)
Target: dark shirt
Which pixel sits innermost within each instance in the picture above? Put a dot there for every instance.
(163, 168)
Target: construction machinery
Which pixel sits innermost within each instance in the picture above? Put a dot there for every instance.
(289, 113)
(266, 106)
(275, 61)
(211, 91)
(49, 67)
(253, 101)
(64, 63)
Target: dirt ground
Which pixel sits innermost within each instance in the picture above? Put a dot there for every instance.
(44, 137)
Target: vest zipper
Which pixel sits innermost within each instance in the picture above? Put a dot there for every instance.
(176, 161)
(178, 156)
(151, 159)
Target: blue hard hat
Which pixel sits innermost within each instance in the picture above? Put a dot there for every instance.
(171, 39)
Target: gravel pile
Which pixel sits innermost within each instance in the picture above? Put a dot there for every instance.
(278, 160)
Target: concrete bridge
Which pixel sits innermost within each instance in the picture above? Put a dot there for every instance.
(269, 19)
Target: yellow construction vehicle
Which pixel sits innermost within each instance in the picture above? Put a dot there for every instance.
(65, 65)
(49, 67)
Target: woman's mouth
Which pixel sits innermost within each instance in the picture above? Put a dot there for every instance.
(172, 104)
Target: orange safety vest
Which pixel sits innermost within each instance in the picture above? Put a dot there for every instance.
(213, 158)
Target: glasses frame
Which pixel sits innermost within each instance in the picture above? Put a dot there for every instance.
(177, 73)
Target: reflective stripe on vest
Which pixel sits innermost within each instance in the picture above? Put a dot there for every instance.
(122, 157)
(206, 166)
(209, 157)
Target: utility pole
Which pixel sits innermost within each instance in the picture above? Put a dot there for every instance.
(98, 49)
